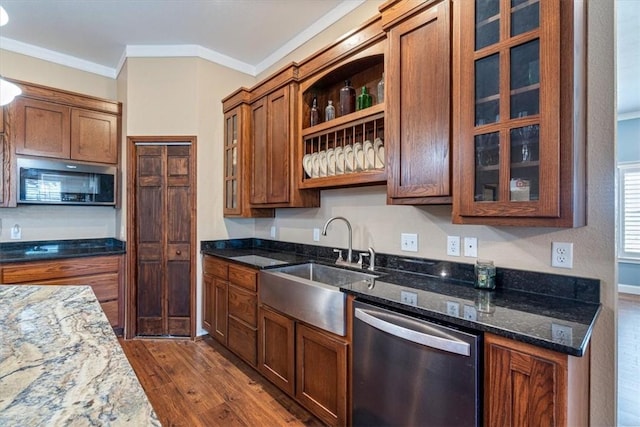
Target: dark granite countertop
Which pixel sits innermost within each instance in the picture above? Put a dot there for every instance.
(526, 306)
(58, 249)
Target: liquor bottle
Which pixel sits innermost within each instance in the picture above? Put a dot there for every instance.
(330, 112)
(381, 90)
(347, 99)
(364, 99)
(314, 112)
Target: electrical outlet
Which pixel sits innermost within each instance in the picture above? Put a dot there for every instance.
(409, 242)
(471, 247)
(469, 312)
(273, 232)
(562, 255)
(410, 298)
(316, 234)
(16, 232)
(561, 334)
(453, 309)
(453, 245)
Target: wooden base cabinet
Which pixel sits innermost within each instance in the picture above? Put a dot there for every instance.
(105, 275)
(526, 385)
(307, 363)
(230, 307)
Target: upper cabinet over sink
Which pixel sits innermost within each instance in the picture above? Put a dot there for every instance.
(519, 117)
(418, 102)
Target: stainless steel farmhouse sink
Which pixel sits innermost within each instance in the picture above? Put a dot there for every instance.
(310, 292)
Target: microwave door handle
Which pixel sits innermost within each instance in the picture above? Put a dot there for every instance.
(418, 337)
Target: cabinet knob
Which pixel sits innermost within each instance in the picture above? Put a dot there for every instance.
(178, 252)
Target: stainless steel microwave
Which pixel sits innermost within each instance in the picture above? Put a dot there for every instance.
(61, 182)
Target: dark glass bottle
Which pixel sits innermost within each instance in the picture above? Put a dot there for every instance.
(314, 112)
(347, 99)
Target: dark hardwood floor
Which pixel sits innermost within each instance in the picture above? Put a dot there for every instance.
(202, 384)
(629, 360)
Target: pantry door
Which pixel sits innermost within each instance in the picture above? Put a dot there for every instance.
(162, 227)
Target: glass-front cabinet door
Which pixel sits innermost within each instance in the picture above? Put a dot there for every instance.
(236, 154)
(231, 169)
(509, 145)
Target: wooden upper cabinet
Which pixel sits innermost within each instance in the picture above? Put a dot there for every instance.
(94, 136)
(271, 141)
(519, 117)
(525, 385)
(273, 148)
(237, 158)
(41, 128)
(418, 101)
(47, 122)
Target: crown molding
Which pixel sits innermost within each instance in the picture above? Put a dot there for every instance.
(167, 51)
(56, 57)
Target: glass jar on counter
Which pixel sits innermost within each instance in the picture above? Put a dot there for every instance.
(485, 274)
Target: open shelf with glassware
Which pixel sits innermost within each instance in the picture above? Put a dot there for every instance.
(343, 140)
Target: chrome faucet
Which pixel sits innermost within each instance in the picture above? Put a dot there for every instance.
(324, 233)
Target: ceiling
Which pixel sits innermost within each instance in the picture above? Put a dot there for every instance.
(247, 35)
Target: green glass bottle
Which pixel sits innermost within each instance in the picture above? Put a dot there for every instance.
(364, 99)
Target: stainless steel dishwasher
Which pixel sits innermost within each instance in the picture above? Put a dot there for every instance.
(410, 372)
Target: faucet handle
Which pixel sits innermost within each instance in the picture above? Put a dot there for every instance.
(339, 251)
(360, 258)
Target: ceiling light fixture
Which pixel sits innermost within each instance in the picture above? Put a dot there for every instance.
(4, 18)
(8, 90)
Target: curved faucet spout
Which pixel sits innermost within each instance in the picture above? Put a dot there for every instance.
(324, 232)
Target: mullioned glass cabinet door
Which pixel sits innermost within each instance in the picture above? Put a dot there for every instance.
(231, 168)
(510, 109)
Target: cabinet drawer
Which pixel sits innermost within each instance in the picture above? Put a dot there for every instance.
(243, 305)
(31, 272)
(105, 286)
(215, 267)
(243, 277)
(243, 341)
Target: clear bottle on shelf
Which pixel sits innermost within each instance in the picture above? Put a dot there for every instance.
(330, 112)
(380, 89)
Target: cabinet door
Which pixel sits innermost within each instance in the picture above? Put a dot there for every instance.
(220, 313)
(41, 128)
(242, 340)
(208, 303)
(260, 150)
(276, 349)
(523, 386)
(94, 136)
(279, 136)
(520, 125)
(232, 162)
(321, 374)
(418, 108)
(271, 138)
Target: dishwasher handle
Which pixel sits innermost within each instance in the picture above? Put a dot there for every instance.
(449, 344)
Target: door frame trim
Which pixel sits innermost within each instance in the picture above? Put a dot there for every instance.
(130, 287)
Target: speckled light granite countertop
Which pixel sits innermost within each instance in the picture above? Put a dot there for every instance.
(61, 364)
